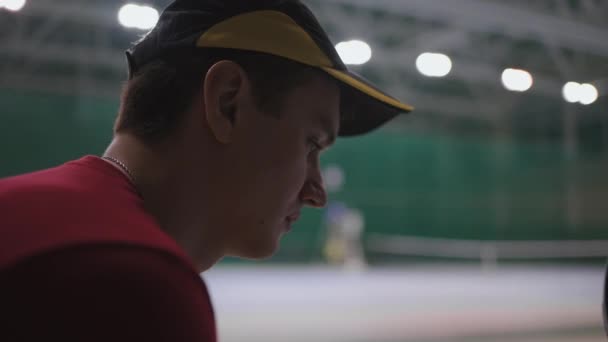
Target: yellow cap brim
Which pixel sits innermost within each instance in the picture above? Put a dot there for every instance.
(275, 33)
(367, 88)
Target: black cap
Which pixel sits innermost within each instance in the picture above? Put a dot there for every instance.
(284, 28)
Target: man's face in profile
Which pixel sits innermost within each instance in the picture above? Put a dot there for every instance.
(275, 166)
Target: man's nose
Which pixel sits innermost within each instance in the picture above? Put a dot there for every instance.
(313, 193)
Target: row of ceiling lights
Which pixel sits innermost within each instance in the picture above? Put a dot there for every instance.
(356, 52)
(439, 65)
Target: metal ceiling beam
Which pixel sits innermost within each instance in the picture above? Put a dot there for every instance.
(485, 17)
(87, 56)
(388, 61)
(470, 72)
(474, 74)
(92, 13)
(470, 15)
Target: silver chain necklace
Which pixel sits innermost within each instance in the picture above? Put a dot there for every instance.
(125, 169)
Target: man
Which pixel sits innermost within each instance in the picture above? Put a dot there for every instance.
(216, 150)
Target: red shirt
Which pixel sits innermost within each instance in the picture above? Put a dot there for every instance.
(81, 260)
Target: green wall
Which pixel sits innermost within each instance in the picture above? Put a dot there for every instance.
(428, 184)
(39, 130)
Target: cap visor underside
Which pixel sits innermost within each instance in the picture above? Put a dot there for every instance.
(364, 107)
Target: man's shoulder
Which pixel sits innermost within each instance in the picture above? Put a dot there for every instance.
(72, 205)
(43, 197)
(33, 187)
(80, 191)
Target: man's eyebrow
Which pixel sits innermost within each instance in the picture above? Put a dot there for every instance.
(329, 130)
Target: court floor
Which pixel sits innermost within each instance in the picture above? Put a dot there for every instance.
(408, 303)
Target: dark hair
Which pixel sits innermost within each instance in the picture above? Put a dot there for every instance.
(154, 99)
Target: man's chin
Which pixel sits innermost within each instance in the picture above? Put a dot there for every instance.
(254, 255)
(258, 251)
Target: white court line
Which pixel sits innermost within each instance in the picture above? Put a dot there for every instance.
(483, 249)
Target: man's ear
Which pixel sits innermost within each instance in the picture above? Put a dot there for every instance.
(221, 87)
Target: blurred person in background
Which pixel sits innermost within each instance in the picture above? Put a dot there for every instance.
(343, 244)
(215, 151)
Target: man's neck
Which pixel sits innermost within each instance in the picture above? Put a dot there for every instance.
(156, 171)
